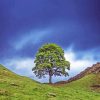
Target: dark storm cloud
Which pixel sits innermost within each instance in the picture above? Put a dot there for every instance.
(69, 22)
(81, 36)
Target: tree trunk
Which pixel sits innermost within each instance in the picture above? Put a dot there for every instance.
(50, 79)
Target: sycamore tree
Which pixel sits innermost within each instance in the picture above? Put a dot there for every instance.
(50, 61)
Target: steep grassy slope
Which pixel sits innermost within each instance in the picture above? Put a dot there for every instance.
(15, 87)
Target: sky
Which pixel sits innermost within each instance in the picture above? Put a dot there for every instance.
(25, 25)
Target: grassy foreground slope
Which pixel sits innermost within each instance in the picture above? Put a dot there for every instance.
(15, 87)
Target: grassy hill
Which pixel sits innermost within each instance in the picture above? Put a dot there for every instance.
(15, 87)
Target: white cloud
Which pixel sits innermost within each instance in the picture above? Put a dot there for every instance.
(21, 66)
(78, 65)
(34, 37)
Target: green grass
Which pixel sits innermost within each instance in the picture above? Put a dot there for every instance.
(15, 87)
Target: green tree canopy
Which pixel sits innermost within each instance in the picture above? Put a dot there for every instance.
(50, 61)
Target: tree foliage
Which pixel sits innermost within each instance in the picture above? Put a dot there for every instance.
(50, 61)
